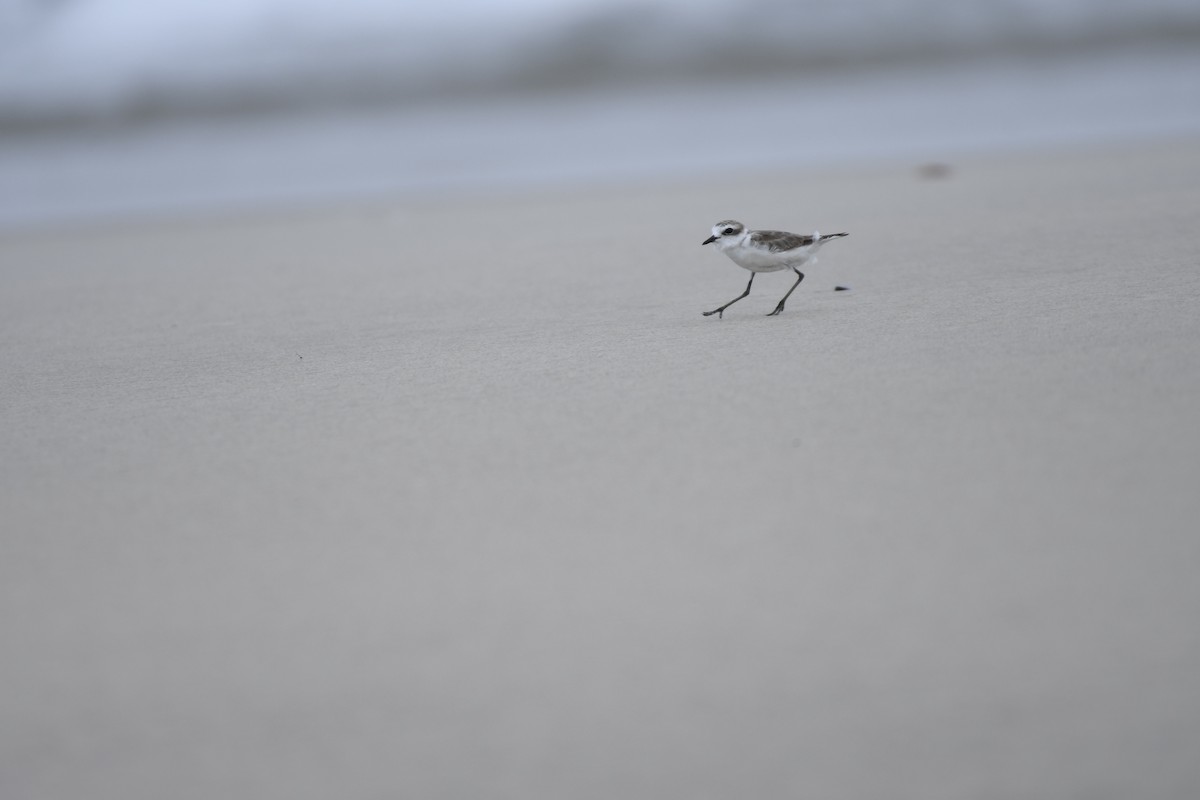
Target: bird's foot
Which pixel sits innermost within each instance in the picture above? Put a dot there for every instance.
(720, 312)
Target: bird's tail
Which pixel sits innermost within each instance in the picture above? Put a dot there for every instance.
(825, 237)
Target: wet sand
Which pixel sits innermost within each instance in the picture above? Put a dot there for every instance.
(465, 498)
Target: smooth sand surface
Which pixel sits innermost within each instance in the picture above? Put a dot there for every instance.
(465, 499)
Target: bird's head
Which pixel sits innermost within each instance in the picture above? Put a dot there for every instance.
(726, 230)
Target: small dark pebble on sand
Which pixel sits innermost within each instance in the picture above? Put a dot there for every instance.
(934, 171)
(841, 288)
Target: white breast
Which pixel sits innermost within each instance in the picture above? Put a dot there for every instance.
(758, 259)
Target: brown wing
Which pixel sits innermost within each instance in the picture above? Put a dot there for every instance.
(780, 241)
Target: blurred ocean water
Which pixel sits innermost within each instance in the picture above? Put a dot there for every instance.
(135, 106)
(66, 60)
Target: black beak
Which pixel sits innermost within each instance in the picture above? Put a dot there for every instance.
(709, 240)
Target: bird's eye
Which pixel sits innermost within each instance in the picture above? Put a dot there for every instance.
(727, 231)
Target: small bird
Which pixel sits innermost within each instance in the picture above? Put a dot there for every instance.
(765, 251)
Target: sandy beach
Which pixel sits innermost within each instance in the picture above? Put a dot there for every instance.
(459, 496)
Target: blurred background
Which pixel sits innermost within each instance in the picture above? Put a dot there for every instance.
(134, 107)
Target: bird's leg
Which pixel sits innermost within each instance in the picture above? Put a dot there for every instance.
(778, 308)
(720, 312)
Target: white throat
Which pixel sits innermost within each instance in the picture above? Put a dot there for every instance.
(730, 242)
